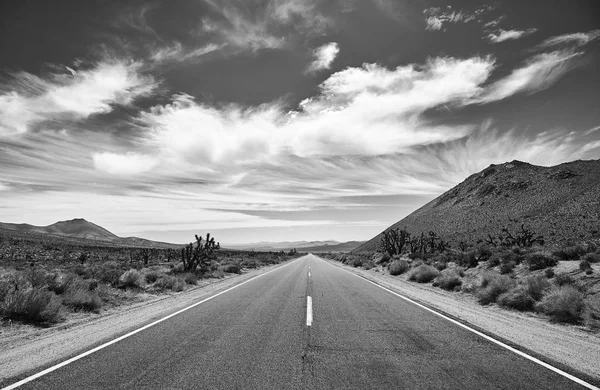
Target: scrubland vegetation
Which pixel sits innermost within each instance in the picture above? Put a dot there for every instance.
(514, 270)
(42, 281)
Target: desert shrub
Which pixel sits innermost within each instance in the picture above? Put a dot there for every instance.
(591, 257)
(384, 259)
(423, 273)
(232, 268)
(585, 265)
(562, 304)
(494, 261)
(570, 252)
(591, 312)
(517, 298)
(367, 264)
(549, 272)
(131, 278)
(448, 279)
(218, 273)
(61, 282)
(536, 286)
(398, 267)
(467, 260)
(152, 276)
(79, 297)
(563, 279)
(190, 278)
(355, 261)
(492, 286)
(32, 305)
(537, 261)
(179, 285)
(109, 273)
(168, 282)
(249, 263)
(506, 268)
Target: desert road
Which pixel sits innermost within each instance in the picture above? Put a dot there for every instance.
(305, 325)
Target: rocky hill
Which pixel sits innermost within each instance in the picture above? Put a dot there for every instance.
(562, 203)
(81, 229)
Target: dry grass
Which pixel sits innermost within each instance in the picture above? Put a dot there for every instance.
(33, 305)
(448, 279)
(492, 285)
(398, 267)
(591, 312)
(423, 273)
(562, 304)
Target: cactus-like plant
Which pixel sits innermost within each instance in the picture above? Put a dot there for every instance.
(198, 256)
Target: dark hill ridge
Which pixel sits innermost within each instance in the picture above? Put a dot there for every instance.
(562, 203)
(79, 228)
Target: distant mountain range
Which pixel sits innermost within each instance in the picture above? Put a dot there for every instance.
(301, 246)
(562, 203)
(81, 229)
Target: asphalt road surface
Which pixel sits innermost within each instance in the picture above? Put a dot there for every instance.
(260, 335)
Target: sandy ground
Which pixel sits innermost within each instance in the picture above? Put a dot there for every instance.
(25, 350)
(571, 346)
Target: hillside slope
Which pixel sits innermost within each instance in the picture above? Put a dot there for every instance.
(562, 203)
(81, 229)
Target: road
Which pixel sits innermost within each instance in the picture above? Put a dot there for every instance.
(260, 336)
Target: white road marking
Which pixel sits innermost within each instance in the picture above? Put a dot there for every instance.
(91, 351)
(489, 338)
(309, 274)
(309, 314)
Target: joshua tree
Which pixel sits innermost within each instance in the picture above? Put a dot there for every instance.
(198, 255)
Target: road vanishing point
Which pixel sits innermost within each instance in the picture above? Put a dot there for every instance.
(305, 325)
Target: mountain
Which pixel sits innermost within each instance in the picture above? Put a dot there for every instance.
(79, 228)
(340, 247)
(562, 203)
(302, 246)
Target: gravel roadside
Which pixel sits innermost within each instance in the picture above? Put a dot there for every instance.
(568, 345)
(25, 350)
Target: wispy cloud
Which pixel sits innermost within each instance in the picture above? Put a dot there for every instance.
(324, 57)
(176, 52)
(539, 72)
(578, 39)
(505, 35)
(437, 17)
(27, 99)
(255, 28)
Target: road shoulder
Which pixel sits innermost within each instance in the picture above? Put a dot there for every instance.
(23, 353)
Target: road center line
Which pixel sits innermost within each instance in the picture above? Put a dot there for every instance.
(489, 338)
(91, 351)
(309, 313)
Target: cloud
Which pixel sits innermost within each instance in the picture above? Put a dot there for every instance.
(389, 103)
(505, 35)
(540, 72)
(123, 164)
(436, 17)
(176, 52)
(577, 39)
(262, 27)
(28, 99)
(324, 57)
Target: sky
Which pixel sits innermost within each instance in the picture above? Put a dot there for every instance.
(282, 120)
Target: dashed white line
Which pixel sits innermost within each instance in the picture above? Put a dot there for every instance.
(91, 351)
(309, 311)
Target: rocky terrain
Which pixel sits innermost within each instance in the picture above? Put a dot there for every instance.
(561, 203)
